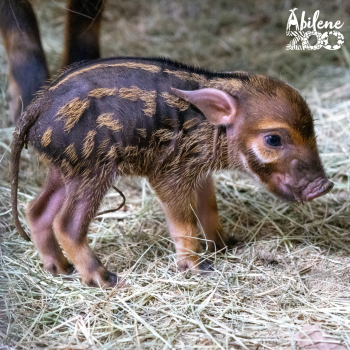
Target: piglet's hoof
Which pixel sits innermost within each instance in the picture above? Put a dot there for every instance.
(104, 280)
(221, 246)
(205, 267)
(233, 242)
(197, 266)
(70, 269)
(56, 268)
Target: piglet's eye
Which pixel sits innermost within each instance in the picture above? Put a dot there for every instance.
(273, 140)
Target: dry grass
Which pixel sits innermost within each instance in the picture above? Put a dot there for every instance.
(293, 268)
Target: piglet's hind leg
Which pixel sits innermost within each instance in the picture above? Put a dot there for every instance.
(40, 215)
(71, 228)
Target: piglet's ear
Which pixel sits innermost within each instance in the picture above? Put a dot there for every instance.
(217, 106)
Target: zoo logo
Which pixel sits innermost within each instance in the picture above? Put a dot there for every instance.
(303, 37)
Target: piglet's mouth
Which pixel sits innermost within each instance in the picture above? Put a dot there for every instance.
(317, 189)
(305, 192)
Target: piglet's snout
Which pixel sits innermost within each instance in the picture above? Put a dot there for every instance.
(311, 179)
(322, 187)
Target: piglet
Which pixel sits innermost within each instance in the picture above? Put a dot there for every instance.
(168, 122)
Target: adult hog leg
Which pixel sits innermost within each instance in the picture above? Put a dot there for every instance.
(179, 210)
(72, 223)
(27, 63)
(40, 215)
(82, 33)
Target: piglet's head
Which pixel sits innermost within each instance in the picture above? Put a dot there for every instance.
(270, 134)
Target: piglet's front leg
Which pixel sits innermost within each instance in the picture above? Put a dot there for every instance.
(208, 216)
(179, 210)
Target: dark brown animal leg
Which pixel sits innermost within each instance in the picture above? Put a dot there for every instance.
(40, 215)
(82, 30)
(208, 215)
(27, 63)
(182, 223)
(71, 228)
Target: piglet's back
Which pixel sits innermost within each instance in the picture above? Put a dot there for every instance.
(96, 111)
(91, 104)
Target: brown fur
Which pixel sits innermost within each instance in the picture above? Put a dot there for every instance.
(217, 83)
(71, 154)
(186, 76)
(89, 143)
(231, 85)
(175, 102)
(171, 122)
(131, 65)
(142, 132)
(102, 92)
(46, 139)
(71, 112)
(148, 97)
(190, 123)
(107, 120)
(44, 158)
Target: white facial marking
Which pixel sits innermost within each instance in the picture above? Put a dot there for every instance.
(255, 149)
(244, 161)
(272, 156)
(247, 169)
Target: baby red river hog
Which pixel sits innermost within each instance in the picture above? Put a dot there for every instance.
(174, 125)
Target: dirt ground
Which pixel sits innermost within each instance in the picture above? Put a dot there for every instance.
(293, 268)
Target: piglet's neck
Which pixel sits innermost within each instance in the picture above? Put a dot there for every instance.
(214, 153)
